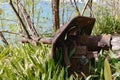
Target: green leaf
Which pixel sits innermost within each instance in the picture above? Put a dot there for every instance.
(101, 74)
(107, 70)
(91, 76)
(72, 52)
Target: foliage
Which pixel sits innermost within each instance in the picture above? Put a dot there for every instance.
(107, 70)
(26, 62)
(33, 63)
(105, 22)
(105, 67)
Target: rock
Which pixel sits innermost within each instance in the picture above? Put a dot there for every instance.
(115, 42)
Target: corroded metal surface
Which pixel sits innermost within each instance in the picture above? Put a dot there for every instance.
(66, 39)
(77, 46)
(78, 25)
(83, 25)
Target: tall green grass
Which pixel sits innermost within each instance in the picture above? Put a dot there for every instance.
(26, 62)
(106, 23)
(107, 67)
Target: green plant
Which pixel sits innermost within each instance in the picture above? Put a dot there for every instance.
(26, 62)
(105, 22)
(107, 66)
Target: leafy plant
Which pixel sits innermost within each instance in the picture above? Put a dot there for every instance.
(107, 67)
(105, 22)
(107, 70)
(26, 62)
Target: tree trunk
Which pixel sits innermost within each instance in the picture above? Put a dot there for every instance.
(55, 12)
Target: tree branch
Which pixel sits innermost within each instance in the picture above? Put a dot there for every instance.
(85, 7)
(3, 38)
(5, 31)
(89, 4)
(24, 27)
(28, 20)
(90, 7)
(8, 20)
(75, 6)
(63, 11)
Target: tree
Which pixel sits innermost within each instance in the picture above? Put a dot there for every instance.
(24, 10)
(55, 11)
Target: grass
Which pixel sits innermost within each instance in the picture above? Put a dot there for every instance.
(106, 23)
(106, 66)
(27, 62)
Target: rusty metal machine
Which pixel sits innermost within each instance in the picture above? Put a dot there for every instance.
(76, 44)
